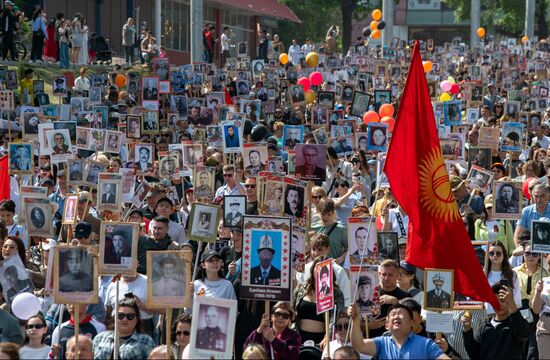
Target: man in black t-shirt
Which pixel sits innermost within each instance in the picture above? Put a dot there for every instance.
(389, 293)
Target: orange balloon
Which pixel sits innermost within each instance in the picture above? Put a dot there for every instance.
(377, 14)
(480, 32)
(376, 34)
(427, 66)
(370, 116)
(374, 25)
(386, 110)
(390, 121)
(120, 80)
(524, 39)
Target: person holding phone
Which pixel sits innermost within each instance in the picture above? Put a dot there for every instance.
(499, 270)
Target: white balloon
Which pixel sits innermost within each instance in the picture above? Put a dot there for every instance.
(25, 305)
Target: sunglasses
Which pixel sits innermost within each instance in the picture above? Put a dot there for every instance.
(495, 253)
(227, 175)
(281, 315)
(530, 254)
(186, 333)
(340, 327)
(316, 197)
(129, 316)
(250, 186)
(344, 186)
(35, 326)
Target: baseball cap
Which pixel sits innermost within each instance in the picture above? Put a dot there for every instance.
(407, 267)
(488, 201)
(83, 230)
(209, 254)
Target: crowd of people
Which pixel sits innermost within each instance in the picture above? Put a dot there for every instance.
(137, 169)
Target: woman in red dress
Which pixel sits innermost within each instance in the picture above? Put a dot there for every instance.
(50, 50)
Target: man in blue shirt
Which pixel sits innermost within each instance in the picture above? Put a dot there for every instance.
(401, 344)
(539, 210)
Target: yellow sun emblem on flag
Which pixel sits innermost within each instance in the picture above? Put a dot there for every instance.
(435, 189)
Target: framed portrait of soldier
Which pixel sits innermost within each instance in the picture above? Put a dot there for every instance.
(271, 197)
(93, 169)
(113, 141)
(21, 158)
(254, 159)
(203, 182)
(360, 103)
(109, 195)
(346, 96)
(480, 157)
(144, 157)
(203, 222)
(28, 192)
(133, 126)
(168, 277)
(234, 208)
(150, 92)
(266, 271)
(150, 124)
(388, 247)
(310, 162)
(140, 193)
(438, 285)
(38, 215)
(381, 97)
(296, 95)
(60, 86)
(75, 275)
(507, 200)
(325, 99)
(365, 279)
(292, 135)
(540, 236)
(213, 328)
(70, 214)
(59, 145)
(169, 166)
(75, 171)
(14, 278)
(118, 248)
(479, 178)
(30, 122)
(319, 116)
(362, 241)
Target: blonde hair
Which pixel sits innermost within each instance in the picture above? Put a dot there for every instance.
(255, 349)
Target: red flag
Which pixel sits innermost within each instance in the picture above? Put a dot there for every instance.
(418, 178)
(228, 99)
(4, 178)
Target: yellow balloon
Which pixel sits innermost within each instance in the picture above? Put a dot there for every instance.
(377, 14)
(480, 32)
(374, 25)
(376, 34)
(524, 39)
(310, 96)
(445, 97)
(312, 59)
(427, 66)
(283, 58)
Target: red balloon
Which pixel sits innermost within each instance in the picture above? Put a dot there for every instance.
(386, 110)
(304, 81)
(455, 89)
(370, 116)
(316, 78)
(390, 121)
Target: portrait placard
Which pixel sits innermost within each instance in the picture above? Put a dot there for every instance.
(388, 247)
(310, 162)
(203, 223)
(324, 289)
(234, 208)
(439, 292)
(75, 171)
(133, 126)
(266, 267)
(271, 196)
(70, 214)
(168, 278)
(512, 137)
(540, 236)
(38, 213)
(150, 93)
(109, 194)
(254, 159)
(360, 103)
(144, 157)
(480, 157)
(150, 124)
(118, 248)
(362, 241)
(75, 275)
(93, 169)
(295, 199)
(28, 192)
(507, 200)
(213, 328)
(365, 280)
(479, 178)
(113, 141)
(377, 136)
(14, 278)
(292, 135)
(21, 158)
(141, 192)
(232, 136)
(59, 145)
(169, 166)
(203, 182)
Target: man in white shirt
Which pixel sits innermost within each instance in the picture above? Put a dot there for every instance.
(225, 42)
(307, 47)
(540, 138)
(295, 53)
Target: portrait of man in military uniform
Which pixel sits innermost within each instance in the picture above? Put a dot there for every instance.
(265, 273)
(364, 294)
(212, 336)
(171, 280)
(437, 297)
(507, 198)
(234, 210)
(75, 270)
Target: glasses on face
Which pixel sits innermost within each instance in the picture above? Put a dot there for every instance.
(495, 253)
(186, 333)
(227, 175)
(344, 186)
(250, 186)
(340, 327)
(530, 254)
(281, 315)
(316, 196)
(35, 326)
(129, 316)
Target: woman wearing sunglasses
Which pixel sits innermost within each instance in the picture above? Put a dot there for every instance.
(499, 270)
(181, 332)
(133, 344)
(35, 348)
(275, 334)
(341, 329)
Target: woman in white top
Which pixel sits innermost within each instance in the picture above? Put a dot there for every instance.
(210, 281)
(541, 305)
(77, 37)
(36, 330)
(82, 83)
(500, 270)
(341, 326)
(83, 53)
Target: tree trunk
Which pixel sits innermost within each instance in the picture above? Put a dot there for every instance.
(347, 12)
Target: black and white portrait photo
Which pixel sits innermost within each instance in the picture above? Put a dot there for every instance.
(234, 208)
(203, 183)
(150, 89)
(310, 162)
(296, 94)
(21, 158)
(30, 124)
(204, 222)
(243, 88)
(361, 241)
(150, 123)
(133, 126)
(507, 198)
(93, 170)
(360, 103)
(438, 289)
(168, 277)
(387, 246)
(143, 157)
(169, 166)
(38, 215)
(540, 236)
(108, 195)
(14, 278)
(255, 159)
(76, 170)
(118, 248)
(294, 200)
(60, 86)
(109, 191)
(75, 269)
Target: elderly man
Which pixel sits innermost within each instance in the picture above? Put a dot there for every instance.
(265, 273)
(539, 209)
